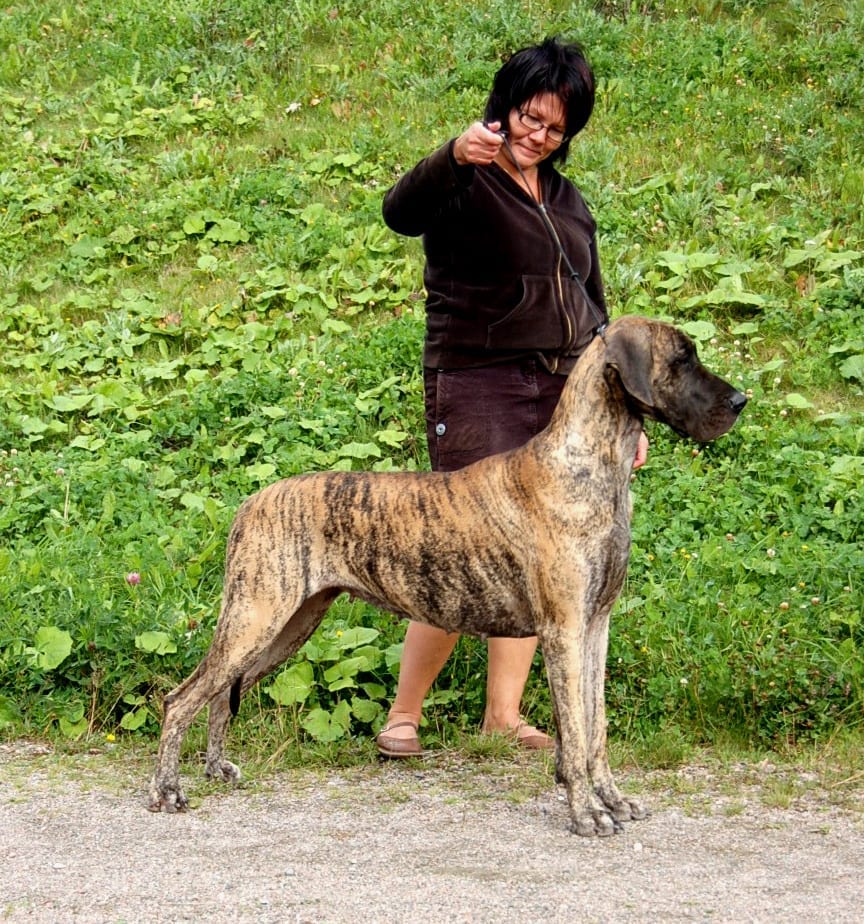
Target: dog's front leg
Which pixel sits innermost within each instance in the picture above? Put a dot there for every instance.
(563, 652)
(596, 645)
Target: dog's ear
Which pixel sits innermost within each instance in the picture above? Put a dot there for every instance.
(628, 352)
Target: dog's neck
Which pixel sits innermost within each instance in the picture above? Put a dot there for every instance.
(594, 392)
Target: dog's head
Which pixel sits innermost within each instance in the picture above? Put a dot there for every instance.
(663, 379)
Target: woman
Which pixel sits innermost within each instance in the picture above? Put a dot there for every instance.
(504, 235)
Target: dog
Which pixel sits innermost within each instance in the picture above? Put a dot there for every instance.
(534, 541)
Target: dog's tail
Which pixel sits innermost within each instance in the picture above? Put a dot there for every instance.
(234, 696)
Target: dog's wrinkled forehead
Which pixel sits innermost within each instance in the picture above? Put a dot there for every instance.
(680, 345)
(679, 353)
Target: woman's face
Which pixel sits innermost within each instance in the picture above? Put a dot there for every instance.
(530, 127)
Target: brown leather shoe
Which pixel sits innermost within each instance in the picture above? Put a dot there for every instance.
(390, 746)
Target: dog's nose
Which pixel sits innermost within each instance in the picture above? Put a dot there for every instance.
(737, 402)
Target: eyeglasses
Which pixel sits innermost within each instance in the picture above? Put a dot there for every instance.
(533, 124)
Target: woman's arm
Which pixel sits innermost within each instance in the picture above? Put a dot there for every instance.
(427, 190)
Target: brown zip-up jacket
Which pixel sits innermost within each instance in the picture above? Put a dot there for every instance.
(497, 287)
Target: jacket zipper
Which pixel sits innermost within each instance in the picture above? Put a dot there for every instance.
(546, 219)
(570, 327)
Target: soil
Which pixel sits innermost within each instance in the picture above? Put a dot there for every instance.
(444, 839)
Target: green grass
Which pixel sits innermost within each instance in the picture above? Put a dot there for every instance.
(199, 296)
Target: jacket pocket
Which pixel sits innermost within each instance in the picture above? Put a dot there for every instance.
(457, 419)
(536, 323)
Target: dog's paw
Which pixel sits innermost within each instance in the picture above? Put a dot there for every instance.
(593, 823)
(638, 810)
(167, 799)
(223, 772)
(628, 810)
(620, 807)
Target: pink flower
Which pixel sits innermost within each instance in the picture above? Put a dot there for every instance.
(133, 578)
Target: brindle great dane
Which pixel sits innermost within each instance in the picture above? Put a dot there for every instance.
(529, 542)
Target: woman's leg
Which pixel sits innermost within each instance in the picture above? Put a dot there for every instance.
(510, 662)
(472, 414)
(425, 651)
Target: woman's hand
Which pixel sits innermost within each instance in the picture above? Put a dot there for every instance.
(478, 144)
(641, 451)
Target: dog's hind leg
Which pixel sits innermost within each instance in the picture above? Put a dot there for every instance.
(181, 706)
(245, 630)
(297, 630)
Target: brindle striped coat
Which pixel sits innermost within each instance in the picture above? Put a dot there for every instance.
(529, 542)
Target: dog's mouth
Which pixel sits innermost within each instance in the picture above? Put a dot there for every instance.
(722, 420)
(709, 426)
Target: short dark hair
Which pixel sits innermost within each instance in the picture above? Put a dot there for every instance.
(551, 67)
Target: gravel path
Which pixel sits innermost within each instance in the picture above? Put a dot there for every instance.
(445, 841)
